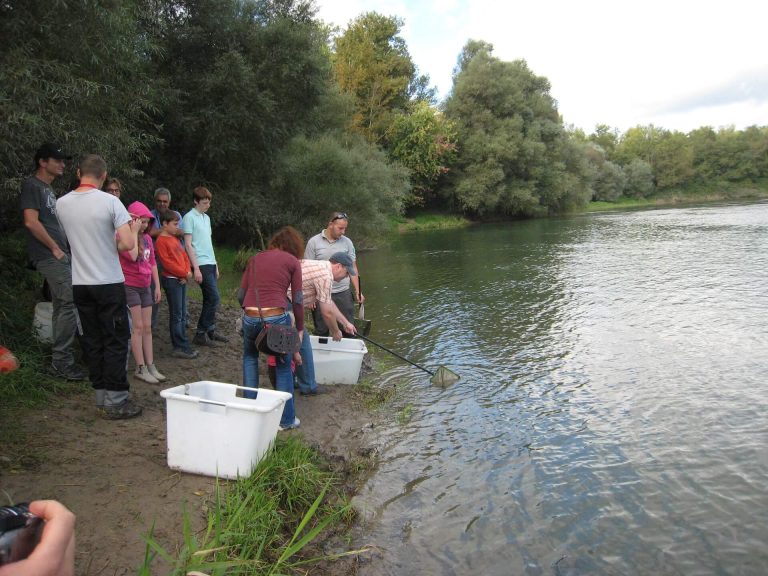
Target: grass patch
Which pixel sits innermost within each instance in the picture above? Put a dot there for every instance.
(20, 290)
(430, 221)
(264, 524)
(711, 192)
(231, 262)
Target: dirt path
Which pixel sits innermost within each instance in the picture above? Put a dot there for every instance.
(113, 475)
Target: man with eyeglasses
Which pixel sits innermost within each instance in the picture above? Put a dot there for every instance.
(48, 252)
(322, 246)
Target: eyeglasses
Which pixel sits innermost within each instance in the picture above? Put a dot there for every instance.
(339, 216)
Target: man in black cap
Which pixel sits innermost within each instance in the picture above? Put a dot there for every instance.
(49, 253)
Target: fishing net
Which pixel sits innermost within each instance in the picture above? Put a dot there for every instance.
(444, 377)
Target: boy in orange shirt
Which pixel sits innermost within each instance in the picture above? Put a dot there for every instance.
(176, 272)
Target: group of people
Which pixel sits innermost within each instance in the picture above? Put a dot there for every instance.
(105, 265)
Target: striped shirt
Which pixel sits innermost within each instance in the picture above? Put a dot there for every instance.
(316, 279)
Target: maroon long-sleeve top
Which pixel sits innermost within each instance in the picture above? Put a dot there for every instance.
(272, 272)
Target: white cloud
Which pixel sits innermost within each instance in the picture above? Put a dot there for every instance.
(674, 63)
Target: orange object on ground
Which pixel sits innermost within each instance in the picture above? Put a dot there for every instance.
(8, 362)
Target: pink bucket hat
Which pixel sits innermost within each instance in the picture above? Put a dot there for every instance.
(139, 210)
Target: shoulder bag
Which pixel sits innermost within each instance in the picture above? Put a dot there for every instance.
(276, 339)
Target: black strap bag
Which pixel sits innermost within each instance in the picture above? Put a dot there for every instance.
(276, 339)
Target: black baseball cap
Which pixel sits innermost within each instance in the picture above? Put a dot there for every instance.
(49, 150)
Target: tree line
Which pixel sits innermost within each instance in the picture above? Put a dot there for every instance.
(285, 118)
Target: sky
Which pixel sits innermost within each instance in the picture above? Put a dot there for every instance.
(676, 64)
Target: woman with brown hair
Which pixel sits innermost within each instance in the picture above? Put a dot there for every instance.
(262, 294)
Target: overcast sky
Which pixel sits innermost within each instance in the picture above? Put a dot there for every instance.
(676, 64)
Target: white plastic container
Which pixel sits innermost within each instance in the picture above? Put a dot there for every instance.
(337, 362)
(42, 324)
(212, 431)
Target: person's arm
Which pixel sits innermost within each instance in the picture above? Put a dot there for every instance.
(126, 236)
(54, 555)
(156, 280)
(155, 274)
(36, 228)
(356, 283)
(192, 258)
(333, 318)
(297, 297)
(133, 253)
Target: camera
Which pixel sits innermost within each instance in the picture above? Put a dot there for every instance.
(20, 531)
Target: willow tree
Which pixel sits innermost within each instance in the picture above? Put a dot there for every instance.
(79, 75)
(510, 138)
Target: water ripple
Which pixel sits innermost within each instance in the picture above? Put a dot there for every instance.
(611, 416)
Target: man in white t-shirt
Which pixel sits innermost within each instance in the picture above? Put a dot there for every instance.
(97, 226)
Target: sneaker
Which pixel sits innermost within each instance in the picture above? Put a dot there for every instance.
(126, 409)
(316, 391)
(296, 424)
(202, 339)
(142, 373)
(215, 336)
(189, 355)
(72, 373)
(156, 373)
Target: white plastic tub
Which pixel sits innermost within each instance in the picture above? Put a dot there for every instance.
(212, 431)
(42, 324)
(337, 362)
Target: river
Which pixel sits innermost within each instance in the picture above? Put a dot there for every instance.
(612, 415)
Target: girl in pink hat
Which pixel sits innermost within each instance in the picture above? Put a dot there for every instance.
(140, 268)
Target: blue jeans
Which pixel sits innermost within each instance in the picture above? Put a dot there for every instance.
(283, 379)
(176, 294)
(305, 373)
(207, 322)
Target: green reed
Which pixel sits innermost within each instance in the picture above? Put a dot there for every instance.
(264, 524)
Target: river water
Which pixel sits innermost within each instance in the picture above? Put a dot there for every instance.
(612, 416)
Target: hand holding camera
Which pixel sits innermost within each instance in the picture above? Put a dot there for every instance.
(38, 539)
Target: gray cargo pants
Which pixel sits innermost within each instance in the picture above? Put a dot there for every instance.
(58, 273)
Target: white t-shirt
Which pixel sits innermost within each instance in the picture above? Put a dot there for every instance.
(89, 220)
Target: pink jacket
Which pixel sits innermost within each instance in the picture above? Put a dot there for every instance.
(139, 273)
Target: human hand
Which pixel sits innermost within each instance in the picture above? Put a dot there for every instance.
(135, 225)
(198, 276)
(360, 298)
(158, 295)
(296, 359)
(349, 328)
(335, 334)
(55, 553)
(58, 253)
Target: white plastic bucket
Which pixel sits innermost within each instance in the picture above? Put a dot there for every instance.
(212, 431)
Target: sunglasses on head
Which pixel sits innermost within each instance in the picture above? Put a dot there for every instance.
(339, 216)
